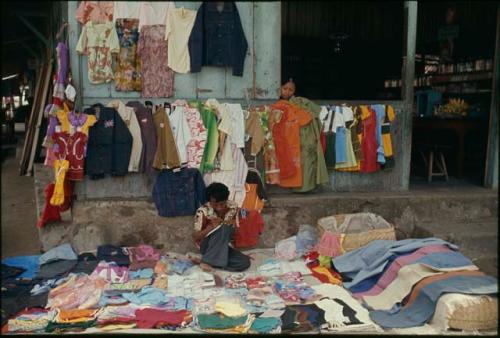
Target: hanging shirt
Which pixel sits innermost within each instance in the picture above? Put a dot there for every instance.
(157, 77)
(148, 136)
(380, 116)
(154, 12)
(180, 129)
(253, 129)
(210, 124)
(178, 27)
(127, 10)
(128, 67)
(386, 131)
(167, 155)
(238, 124)
(98, 42)
(369, 141)
(294, 119)
(196, 145)
(95, 11)
(268, 120)
(71, 147)
(313, 164)
(128, 116)
(70, 121)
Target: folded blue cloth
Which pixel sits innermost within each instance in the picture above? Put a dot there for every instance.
(148, 295)
(181, 265)
(64, 251)
(141, 274)
(421, 310)
(29, 263)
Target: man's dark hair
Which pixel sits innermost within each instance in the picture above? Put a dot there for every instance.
(218, 191)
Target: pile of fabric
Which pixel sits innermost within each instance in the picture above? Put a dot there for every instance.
(384, 285)
(402, 281)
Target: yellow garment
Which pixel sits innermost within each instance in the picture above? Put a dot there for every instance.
(161, 282)
(252, 200)
(324, 271)
(75, 315)
(386, 138)
(60, 168)
(117, 327)
(230, 309)
(63, 117)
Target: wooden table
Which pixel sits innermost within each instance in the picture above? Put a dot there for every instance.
(461, 126)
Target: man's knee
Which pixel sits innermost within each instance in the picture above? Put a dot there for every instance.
(241, 264)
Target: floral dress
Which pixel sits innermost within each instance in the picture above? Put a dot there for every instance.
(157, 77)
(98, 42)
(271, 163)
(128, 66)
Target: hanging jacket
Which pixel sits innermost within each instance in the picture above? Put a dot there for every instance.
(179, 193)
(148, 134)
(109, 145)
(217, 38)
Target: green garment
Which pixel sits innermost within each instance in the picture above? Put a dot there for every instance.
(219, 321)
(264, 325)
(212, 145)
(330, 150)
(68, 327)
(312, 160)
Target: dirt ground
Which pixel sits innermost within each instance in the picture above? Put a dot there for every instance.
(19, 232)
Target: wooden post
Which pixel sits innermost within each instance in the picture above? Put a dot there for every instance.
(491, 167)
(408, 74)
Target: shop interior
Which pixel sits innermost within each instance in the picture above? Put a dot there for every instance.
(353, 51)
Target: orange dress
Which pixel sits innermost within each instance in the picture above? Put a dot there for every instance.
(288, 147)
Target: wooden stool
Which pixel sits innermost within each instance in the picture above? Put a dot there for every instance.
(440, 162)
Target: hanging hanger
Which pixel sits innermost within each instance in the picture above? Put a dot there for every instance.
(61, 30)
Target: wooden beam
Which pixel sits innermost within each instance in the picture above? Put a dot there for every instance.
(408, 74)
(34, 30)
(491, 167)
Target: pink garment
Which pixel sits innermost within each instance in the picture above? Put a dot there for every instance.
(392, 272)
(79, 292)
(157, 77)
(142, 257)
(95, 11)
(196, 145)
(329, 244)
(111, 272)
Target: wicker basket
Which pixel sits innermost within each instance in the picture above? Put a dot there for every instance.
(480, 316)
(353, 241)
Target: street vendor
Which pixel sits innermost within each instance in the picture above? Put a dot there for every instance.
(287, 90)
(213, 231)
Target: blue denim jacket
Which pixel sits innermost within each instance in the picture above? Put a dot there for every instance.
(217, 38)
(179, 193)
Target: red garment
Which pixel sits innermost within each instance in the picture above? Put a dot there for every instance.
(247, 235)
(151, 318)
(322, 139)
(116, 321)
(369, 145)
(256, 282)
(285, 161)
(72, 148)
(50, 212)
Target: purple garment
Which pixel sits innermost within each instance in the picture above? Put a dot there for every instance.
(62, 55)
(392, 272)
(148, 135)
(51, 128)
(77, 120)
